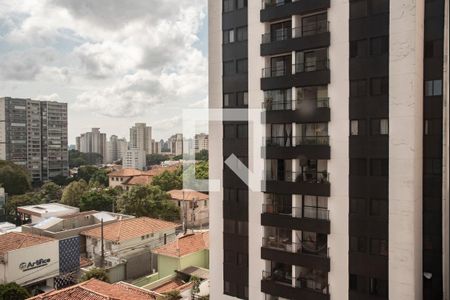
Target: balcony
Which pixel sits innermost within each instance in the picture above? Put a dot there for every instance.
(286, 147)
(312, 183)
(272, 10)
(296, 39)
(282, 284)
(301, 253)
(300, 74)
(297, 111)
(312, 219)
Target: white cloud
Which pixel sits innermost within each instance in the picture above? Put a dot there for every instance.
(122, 58)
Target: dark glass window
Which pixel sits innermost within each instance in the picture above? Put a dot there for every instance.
(379, 207)
(358, 48)
(242, 131)
(358, 166)
(379, 167)
(379, 86)
(353, 282)
(242, 228)
(379, 127)
(228, 36)
(358, 244)
(433, 88)
(358, 88)
(241, 34)
(379, 45)
(229, 257)
(229, 226)
(229, 131)
(358, 9)
(379, 6)
(228, 68)
(378, 287)
(242, 99)
(357, 206)
(227, 100)
(378, 247)
(357, 127)
(242, 66)
(241, 4)
(228, 5)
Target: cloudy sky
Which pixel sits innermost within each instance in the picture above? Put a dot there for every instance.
(115, 62)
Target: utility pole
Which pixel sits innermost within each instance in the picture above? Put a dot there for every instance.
(102, 261)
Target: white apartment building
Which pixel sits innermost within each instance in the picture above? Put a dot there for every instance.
(134, 159)
(93, 142)
(141, 138)
(33, 134)
(116, 149)
(176, 144)
(201, 142)
(346, 139)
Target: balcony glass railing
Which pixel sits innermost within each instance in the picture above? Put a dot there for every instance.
(289, 141)
(305, 176)
(292, 33)
(274, 3)
(309, 212)
(310, 282)
(303, 104)
(318, 65)
(303, 247)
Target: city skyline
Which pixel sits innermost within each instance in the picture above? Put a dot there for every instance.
(100, 64)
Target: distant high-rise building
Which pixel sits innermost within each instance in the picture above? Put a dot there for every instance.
(141, 137)
(93, 142)
(176, 144)
(156, 147)
(33, 134)
(201, 142)
(116, 148)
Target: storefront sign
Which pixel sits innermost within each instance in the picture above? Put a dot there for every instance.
(26, 266)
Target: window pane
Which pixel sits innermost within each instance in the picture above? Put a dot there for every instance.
(437, 87)
(358, 9)
(354, 127)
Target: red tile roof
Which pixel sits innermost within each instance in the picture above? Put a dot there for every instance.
(125, 173)
(131, 228)
(94, 289)
(187, 195)
(16, 240)
(139, 180)
(185, 245)
(174, 284)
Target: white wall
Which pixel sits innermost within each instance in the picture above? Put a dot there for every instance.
(405, 149)
(215, 149)
(338, 165)
(14, 258)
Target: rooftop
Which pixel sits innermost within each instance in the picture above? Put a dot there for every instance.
(185, 245)
(187, 195)
(174, 284)
(139, 180)
(125, 173)
(16, 240)
(94, 289)
(129, 229)
(48, 208)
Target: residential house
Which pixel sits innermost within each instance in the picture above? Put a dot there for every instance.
(193, 206)
(39, 212)
(95, 289)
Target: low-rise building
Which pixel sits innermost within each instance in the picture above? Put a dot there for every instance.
(127, 178)
(188, 250)
(193, 206)
(127, 245)
(71, 226)
(29, 260)
(94, 289)
(39, 212)
(6, 227)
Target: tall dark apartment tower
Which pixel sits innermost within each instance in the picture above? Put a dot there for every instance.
(340, 109)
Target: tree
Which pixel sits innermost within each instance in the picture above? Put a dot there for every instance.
(196, 286)
(72, 193)
(97, 273)
(97, 199)
(202, 155)
(155, 159)
(13, 291)
(101, 177)
(168, 180)
(19, 200)
(148, 201)
(86, 172)
(50, 192)
(13, 178)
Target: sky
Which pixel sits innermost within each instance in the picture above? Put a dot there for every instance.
(115, 62)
